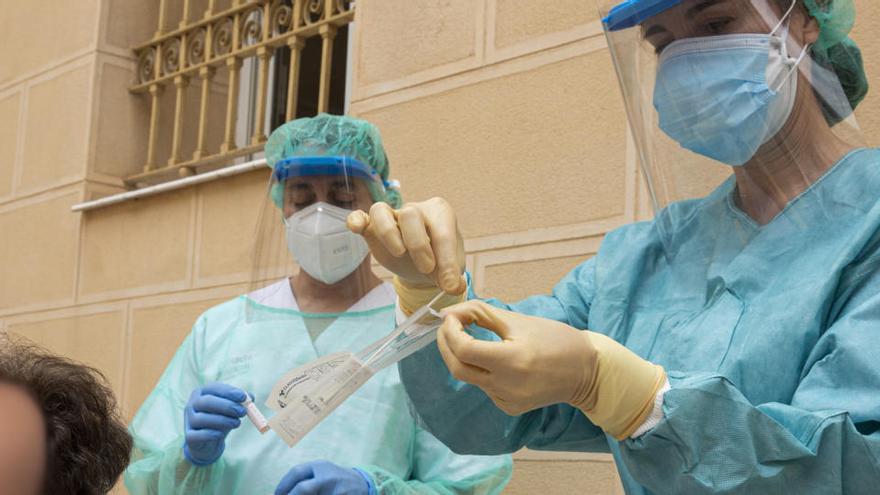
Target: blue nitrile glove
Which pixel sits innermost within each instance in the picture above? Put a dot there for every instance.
(325, 478)
(212, 411)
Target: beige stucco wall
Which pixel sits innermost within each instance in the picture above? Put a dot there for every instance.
(509, 108)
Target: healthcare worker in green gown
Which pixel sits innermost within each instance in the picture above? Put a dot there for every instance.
(191, 435)
(732, 344)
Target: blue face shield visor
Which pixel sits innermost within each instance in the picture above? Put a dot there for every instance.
(313, 166)
(310, 166)
(633, 12)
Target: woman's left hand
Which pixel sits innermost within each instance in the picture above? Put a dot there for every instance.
(538, 362)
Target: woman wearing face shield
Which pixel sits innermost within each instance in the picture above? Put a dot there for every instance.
(728, 346)
(189, 436)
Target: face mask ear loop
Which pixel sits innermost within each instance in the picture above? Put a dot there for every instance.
(784, 18)
(795, 65)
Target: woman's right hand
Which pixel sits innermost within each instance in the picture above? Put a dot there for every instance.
(420, 242)
(210, 414)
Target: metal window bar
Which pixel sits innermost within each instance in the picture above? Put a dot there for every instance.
(253, 31)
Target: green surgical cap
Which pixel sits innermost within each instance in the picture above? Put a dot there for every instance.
(334, 135)
(837, 51)
(836, 19)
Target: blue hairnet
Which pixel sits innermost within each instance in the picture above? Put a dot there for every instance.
(334, 135)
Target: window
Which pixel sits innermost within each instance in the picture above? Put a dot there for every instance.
(219, 84)
(309, 80)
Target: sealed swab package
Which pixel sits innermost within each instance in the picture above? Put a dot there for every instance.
(303, 397)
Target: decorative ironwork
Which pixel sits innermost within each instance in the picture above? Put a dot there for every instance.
(223, 40)
(170, 56)
(281, 17)
(195, 52)
(313, 11)
(343, 6)
(252, 27)
(147, 65)
(237, 31)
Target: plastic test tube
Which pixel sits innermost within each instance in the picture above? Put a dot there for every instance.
(255, 415)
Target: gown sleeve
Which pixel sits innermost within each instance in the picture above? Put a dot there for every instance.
(826, 440)
(158, 465)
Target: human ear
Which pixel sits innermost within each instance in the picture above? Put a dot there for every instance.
(807, 25)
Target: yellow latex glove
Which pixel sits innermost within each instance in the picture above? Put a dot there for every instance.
(413, 297)
(540, 362)
(419, 243)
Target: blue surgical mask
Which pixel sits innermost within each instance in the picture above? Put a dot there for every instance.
(725, 96)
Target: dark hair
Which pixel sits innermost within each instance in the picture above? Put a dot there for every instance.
(87, 444)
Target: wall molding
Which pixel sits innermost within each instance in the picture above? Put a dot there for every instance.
(87, 63)
(73, 311)
(18, 157)
(57, 191)
(361, 92)
(533, 44)
(544, 235)
(403, 93)
(51, 67)
(582, 247)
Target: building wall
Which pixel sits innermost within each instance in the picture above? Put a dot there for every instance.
(508, 108)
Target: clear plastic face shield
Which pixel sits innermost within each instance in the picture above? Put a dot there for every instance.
(302, 233)
(716, 86)
(313, 293)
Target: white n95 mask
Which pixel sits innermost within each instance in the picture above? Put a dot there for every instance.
(323, 246)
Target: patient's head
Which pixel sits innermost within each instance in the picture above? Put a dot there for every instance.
(59, 428)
